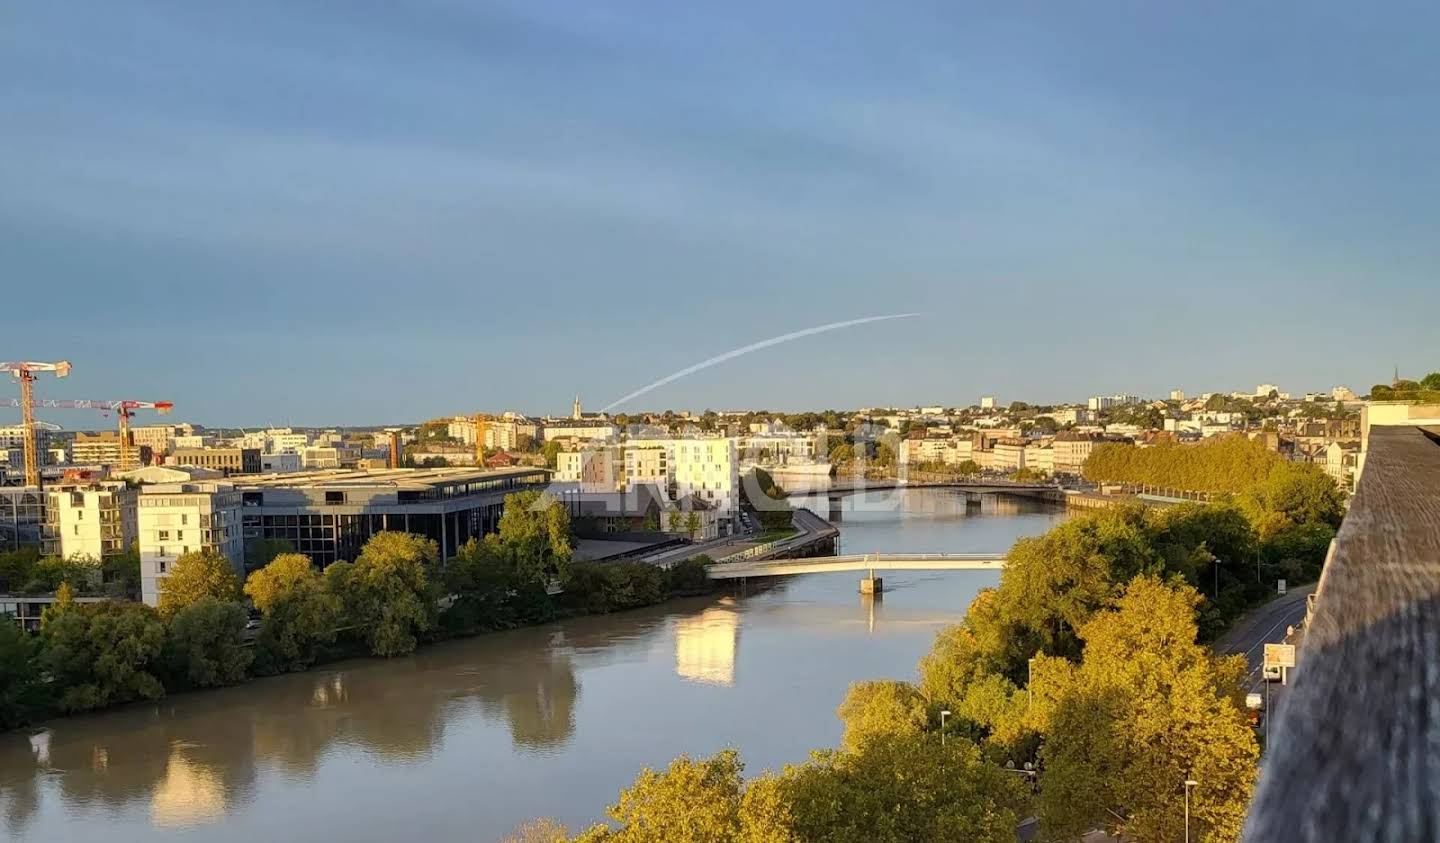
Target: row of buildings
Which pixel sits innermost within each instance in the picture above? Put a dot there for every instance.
(326, 515)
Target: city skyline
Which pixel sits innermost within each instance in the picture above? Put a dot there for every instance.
(284, 213)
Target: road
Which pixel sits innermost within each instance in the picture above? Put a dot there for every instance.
(1261, 626)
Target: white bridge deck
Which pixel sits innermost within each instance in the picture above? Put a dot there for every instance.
(857, 562)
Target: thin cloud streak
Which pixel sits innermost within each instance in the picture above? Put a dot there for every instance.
(756, 346)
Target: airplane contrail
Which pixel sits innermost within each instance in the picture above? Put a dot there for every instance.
(755, 346)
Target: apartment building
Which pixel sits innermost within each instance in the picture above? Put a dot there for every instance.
(708, 469)
(585, 429)
(159, 438)
(1105, 402)
(783, 447)
(647, 461)
(179, 518)
(103, 448)
(285, 441)
(1009, 455)
(225, 460)
(93, 521)
(318, 457)
(591, 469)
(190, 441)
(1040, 456)
(280, 462)
(1070, 450)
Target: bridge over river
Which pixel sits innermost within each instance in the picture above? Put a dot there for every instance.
(859, 562)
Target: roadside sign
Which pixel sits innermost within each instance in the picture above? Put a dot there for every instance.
(1280, 586)
(1279, 655)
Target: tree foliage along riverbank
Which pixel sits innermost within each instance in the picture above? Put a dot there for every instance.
(1086, 661)
(391, 599)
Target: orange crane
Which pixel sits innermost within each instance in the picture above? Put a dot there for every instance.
(124, 409)
(24, 371)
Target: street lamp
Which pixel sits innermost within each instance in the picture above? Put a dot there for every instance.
(944, 714)
(1189, 783)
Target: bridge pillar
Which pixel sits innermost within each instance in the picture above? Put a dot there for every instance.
(872, 585)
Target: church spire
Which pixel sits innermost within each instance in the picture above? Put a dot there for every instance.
(575, 411)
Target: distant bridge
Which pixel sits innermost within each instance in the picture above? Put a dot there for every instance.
(977, 487)
(859, 562)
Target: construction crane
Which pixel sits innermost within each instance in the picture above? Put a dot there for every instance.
(124, 408)
(24, 371)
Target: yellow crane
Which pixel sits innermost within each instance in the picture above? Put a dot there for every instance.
(24, 371)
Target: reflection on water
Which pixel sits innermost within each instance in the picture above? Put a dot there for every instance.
(465, 740)
(705, 645)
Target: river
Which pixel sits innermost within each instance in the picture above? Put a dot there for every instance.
(465, 740)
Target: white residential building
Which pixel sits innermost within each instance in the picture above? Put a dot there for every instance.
(1070, 415)
(1342, 393)
(194, 440)
(1009, 455)
(782, 447)
(1105, 402)
(987, 402)
(708, 469)
(1040, 457)
(328, 457)
(286, 441)
(586, 429)
(593, 469)
(1262, 390)
(160, 438)
(1070, 450)
(280, 462)
(179, 518)
(93, 521)
(1177, 395)
(647, 461)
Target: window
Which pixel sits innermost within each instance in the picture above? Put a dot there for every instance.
(184, 519)
(161, 566)
(163, 536)
(179, 534)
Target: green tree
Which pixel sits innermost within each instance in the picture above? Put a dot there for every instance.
(1051, 584)
(690, 802)
(895, 789)
(885, 707)
(100, 654)
(1381, 392)
(82, 573)
(24, 694)
(1431, 381)
(390, 592)
(17, 567)
(692, 525)
(195, 576)
(842, 453)
(1293, 494)
(551, 451)
(968, 468)
(203, 646)
(300, 614)
(1147, 709)
(535, 534)
(121, 572)
(260, 552)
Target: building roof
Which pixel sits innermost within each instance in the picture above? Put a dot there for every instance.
(405, 478)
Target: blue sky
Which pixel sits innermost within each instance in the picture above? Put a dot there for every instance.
(374, 211)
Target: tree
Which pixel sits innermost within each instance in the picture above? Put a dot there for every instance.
(24, 694)
(203, 646)
(1052, 584)
(121, 572)
(886, 707)
(895, 789)
(1147, 709)
(535, 534)
(82, 573)
(299, 613)
(842, 453)
(195, 576)
(690, 802)
(390, 592)
(692, 524)
(259, 552)
(551, 451)
(1431, 381)
(1291, 495)
(1046, 425)
(100, 654)
(542, 830)
(968, 468)
(1381, 392)
(16, 568)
